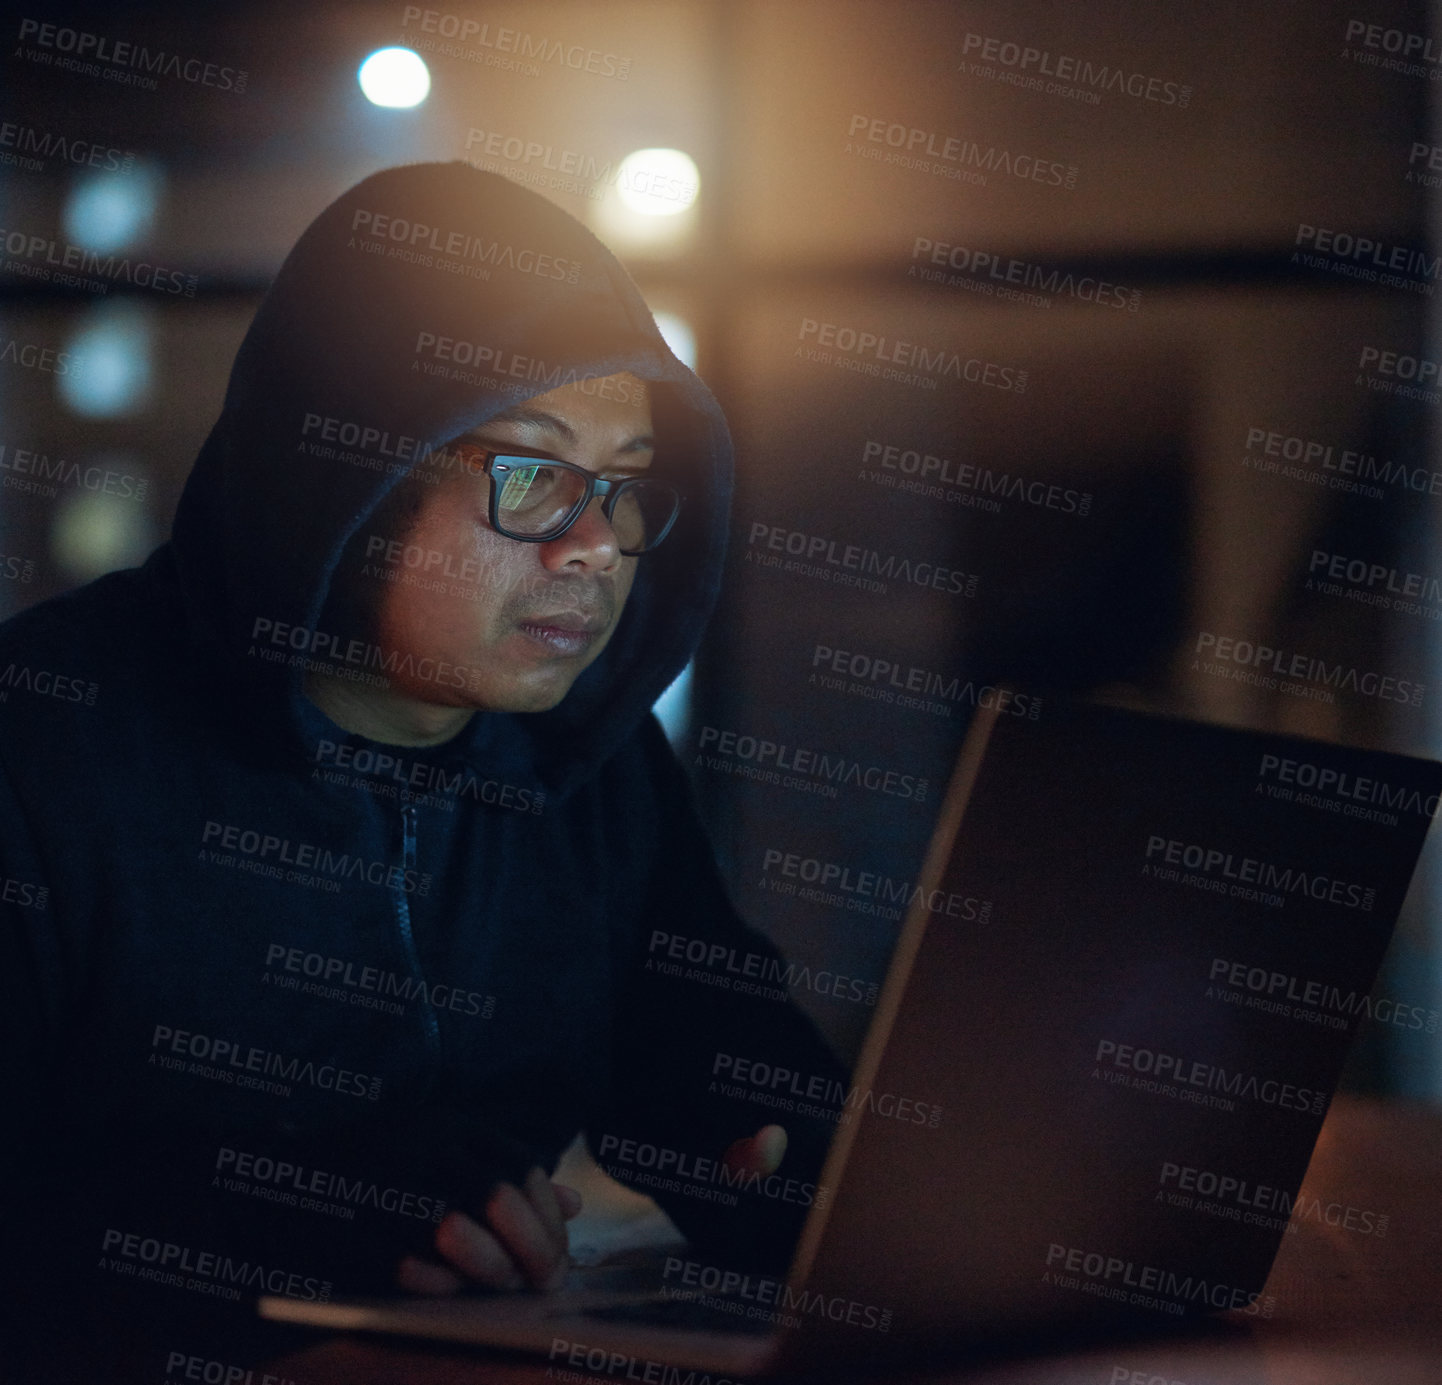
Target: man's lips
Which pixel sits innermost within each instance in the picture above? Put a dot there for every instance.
(573, 622)
(564, 632)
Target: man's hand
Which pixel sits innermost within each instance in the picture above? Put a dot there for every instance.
(522, 1244)
(760, 1153)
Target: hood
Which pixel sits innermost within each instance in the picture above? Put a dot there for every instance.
(346, 357)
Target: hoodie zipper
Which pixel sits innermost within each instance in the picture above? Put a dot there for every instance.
(408, 939)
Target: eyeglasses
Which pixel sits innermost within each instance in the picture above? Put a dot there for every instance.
(536, 499)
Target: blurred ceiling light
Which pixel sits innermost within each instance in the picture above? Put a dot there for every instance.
(650, 205)
(658, 182)
(108, 211)
(395, 77)
(111, 355)
(92, 533)
(677, 334)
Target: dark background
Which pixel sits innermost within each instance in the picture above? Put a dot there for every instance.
(1193, 208)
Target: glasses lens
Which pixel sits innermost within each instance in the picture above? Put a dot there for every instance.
(539, 500)
(536, 499)
(641, 514)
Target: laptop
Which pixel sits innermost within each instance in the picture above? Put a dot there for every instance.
(1123, 1063)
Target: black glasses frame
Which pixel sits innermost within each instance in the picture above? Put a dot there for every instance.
(497, 465)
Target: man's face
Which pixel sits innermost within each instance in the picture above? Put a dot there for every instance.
(523, 619)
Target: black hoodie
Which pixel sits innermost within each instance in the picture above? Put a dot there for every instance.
(275, 993)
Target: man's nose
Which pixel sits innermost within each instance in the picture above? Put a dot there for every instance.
(590, 541)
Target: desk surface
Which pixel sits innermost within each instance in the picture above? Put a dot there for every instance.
(1353, 1306)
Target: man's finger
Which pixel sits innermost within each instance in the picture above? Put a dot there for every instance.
(761, 1153)
(571, 1201)
(771, 1144)
(543, 1198)
(476, 1252)
(517, 1226)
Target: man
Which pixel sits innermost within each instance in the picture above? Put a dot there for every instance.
(367, 870)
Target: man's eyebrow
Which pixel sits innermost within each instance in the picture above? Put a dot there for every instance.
(519, 413)
(539, 418)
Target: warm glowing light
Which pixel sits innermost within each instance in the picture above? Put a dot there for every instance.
(649, 206)
(658, 182)
(395, 77)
